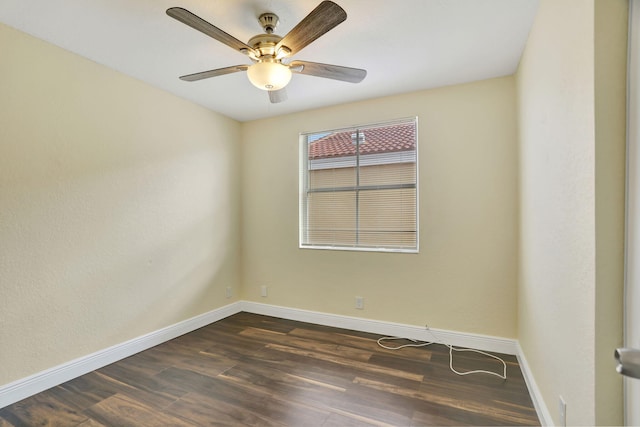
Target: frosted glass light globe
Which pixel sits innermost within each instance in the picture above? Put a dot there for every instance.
(269, 75)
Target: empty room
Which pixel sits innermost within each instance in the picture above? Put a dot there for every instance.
(306, 212)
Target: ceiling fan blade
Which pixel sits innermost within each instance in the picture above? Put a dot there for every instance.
(213, 73)
(336, 72)
(277, 96)
(321, 19)
(194, 21)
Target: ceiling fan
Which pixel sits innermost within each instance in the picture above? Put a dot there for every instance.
(269, 52)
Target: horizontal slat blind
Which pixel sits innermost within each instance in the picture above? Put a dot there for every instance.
(358, 188)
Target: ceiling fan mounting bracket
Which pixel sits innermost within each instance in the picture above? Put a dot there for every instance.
(269, 21)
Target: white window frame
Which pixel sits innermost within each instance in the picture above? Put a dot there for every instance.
(363, 160)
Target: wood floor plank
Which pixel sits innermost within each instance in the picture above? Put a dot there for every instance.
(285, 386)
(258, 370)
(308, 344)
(91, 423)
(84, 391)
(365, 409)
(242, 320)
(352, 420)
(209, 411)
(232, 346)
(147, 397)
(478, 407)
(324, 397)
(5, 423)
(403, 362)
(368, 343)
(253, 397)
(206, 364)
(438, 417)
(145, 362)
(346, 362)
(138, 381)
(43, 409)
(119, 410)
(336, 375)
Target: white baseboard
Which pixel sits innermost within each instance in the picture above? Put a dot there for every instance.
(538, 402)
(25, 387)
(20, 389)
(458, 339)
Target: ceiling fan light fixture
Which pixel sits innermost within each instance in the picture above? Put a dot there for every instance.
(269, 75)
(267, 50)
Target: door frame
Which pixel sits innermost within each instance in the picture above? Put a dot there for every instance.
(632, 212)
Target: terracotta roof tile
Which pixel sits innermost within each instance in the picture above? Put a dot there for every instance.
(387, 139)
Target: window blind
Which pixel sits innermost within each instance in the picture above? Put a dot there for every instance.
(359, 188)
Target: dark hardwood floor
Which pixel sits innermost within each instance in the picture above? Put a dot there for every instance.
(256, 370)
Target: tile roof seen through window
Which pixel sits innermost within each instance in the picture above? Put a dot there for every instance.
(385, 139)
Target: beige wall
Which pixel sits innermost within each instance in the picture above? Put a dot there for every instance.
(118, 207)
(571, 126)
(464, 277)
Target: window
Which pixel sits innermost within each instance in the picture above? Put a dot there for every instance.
(358, 188)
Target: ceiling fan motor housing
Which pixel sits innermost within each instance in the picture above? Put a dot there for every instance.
(265, 44)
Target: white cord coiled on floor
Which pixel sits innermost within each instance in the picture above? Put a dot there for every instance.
(416, 343)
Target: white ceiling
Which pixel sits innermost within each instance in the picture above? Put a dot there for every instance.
(405, 45)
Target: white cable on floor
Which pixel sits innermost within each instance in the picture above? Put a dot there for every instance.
(416, 343)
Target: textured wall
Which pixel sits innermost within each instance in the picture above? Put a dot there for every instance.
(118, 207)
(571, 91)
(464, 277)
(557, 192)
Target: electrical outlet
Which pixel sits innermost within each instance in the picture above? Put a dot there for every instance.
(263, 291)
(228, 292)
(360, 303)
(562, 411)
